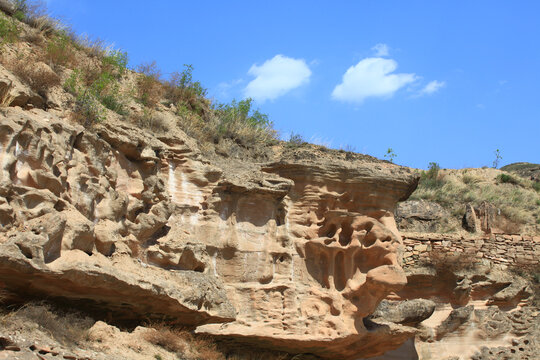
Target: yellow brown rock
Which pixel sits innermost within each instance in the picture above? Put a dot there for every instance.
(293, 253)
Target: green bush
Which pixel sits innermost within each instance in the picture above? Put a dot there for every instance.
(184, 92)
(507, 179)
(240, 114)
(21, 10)
(115, 63)
(9, 31)
(295, 140)
(390, 155)
(536, 186)
(105, 87)
(88, 109)
(60, 50)
(242, 111)
(430, 178)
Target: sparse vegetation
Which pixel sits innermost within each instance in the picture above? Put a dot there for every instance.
(186, 93)
(66, 326)
(236, 121)
(170, 339)
(507, 179)
(295, 140)
(237, 117)
(498, 158)
(182, 342)
(516, 199)
(60, 51)
(430, 178)
(9, 31)
(149, 86)
(390, 155)
(152, 120)
(88, 109)
(39, 78)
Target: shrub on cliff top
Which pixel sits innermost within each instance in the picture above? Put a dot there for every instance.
(183, 91)
(60, 50)
(431, 178)
(9, 31)
(149, 86)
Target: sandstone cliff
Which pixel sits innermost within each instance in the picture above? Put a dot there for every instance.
(291, 253)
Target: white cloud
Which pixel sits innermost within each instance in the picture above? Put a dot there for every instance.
(371, 77)
(432, 87)
(223, 89)
(276, 77)
(381, 50)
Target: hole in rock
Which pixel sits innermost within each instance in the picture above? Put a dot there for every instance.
(331, 231)
(345, 234)
(5, 342)
(228, 253)
(369, 239)
(25, 251)
(56, 171)
(60, 205)
(162, 232)
(339, 271)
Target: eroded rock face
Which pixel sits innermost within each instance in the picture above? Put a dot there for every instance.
(483, 312)
(420, 215)
(78, 220)
(292, 254)
(334, 256)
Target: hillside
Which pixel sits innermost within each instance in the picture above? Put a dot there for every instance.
(139, 219)
(514, 197)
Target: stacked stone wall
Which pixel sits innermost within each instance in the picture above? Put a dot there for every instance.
(496, 248)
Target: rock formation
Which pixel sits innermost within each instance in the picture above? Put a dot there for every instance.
(292, 253)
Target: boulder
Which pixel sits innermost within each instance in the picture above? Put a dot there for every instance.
(470, 221)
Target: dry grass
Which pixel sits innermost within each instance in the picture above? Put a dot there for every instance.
(39, 78)
(66, 327)
(517, 200)
(212, 128)
(61, 52)
(5, 97)
(183, 342)
(149, 87)
(170, 339)
(152, 120)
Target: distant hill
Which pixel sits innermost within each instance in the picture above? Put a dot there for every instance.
(524, 169)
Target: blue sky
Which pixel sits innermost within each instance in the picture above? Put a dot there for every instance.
(442, 81)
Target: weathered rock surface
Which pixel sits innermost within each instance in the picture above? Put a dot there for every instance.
(410, 312)
(67, 232)
(297, 251)
(419, 215)
(14, 93)
(471, 222)
(480, 311)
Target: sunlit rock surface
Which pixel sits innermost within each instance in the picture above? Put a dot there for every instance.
(293, 253)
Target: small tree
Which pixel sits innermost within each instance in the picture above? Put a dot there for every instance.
(390, 155)
(498, 158)
(430, 178)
